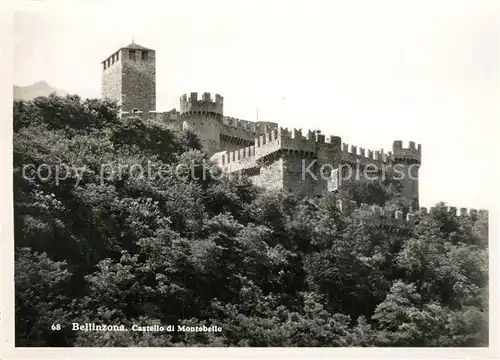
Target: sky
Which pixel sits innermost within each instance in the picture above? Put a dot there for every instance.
(369, 71)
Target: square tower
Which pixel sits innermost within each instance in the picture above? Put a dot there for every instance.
(129, 77)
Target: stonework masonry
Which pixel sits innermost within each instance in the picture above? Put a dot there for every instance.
(203, 117)
(129, 77)
(112, 78)
(396, 220)
(303, 163)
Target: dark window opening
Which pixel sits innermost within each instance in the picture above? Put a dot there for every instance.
(131, 54)
(135, 111)
(145, 55)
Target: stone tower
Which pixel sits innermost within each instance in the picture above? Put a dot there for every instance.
(408, 162)
(203, 117)
(129, 77)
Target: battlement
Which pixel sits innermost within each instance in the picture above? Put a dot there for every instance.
(306, 141)
(352, 153)
(323, 139)
(244, 155)
(413, 152)
(297, 134)
(239, 123)
(272, 141)
(249, 126)
(247, 157)
(206, 104)
(453, 210)
(386, 216)
(377, 215)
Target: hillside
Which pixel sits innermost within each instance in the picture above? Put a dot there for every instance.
(123, 222)
(40, 88)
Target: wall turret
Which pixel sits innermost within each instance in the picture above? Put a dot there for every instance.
(406, 163)
(411, 154)
(206, 104)
(203, 116)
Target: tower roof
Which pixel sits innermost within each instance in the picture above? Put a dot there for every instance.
(135, 46)
(131, 46)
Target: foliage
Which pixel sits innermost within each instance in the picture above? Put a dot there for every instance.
(180, 243)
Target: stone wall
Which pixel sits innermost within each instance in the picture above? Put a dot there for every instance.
(270, 176)
(206, 127)
(386, 216)
(138, 81)
(407, 172)
(235, 135)
(112, 78)
(407, 161)
(295, 179)
(329, 156)
(232, 146)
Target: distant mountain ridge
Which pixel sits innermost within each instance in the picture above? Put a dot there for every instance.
(40, 88)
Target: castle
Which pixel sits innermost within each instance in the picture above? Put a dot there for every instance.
(306, 164)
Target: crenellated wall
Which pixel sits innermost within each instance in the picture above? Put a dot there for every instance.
(237, 133)
(359, 163)
(294, 140)
(354, 154)
(261, 147)
(250, 127)
(407, 162)
(377, 215)
(296, 152)
(246, 157)
(453, 210)
(290, 141)
(248, 145)
(207, 103)
(402, 164)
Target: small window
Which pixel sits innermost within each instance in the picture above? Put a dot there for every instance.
(117, 56)
(135, 111)
(131, 54)
(145, 55)
(113, 59)
(104, 65)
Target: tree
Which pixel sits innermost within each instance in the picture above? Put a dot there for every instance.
(40, 302)
(138, 227)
